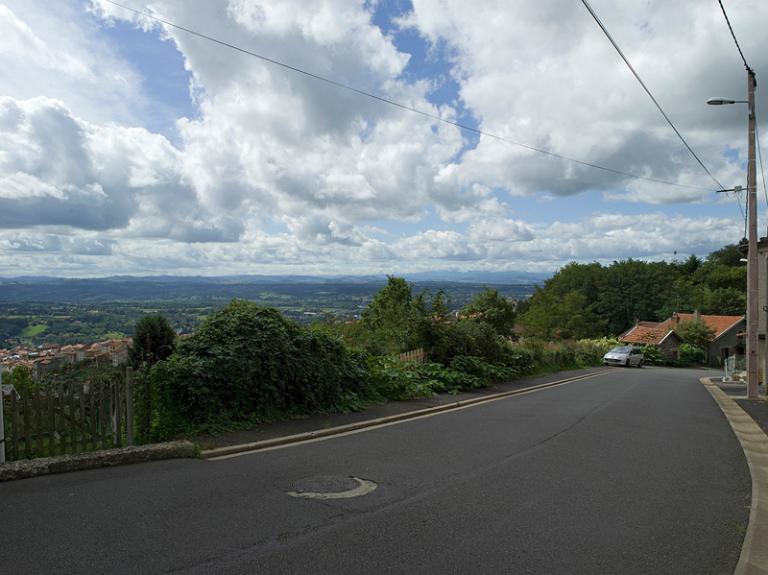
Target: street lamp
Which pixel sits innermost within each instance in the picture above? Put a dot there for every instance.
(752, 289)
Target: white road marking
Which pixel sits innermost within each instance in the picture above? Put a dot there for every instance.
(364, 486)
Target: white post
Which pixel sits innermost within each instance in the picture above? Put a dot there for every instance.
(2, 421)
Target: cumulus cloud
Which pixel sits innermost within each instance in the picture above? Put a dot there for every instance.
(280, 172)
(564, 88)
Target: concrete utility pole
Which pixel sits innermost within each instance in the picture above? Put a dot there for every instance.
(2, 422)
(752, 261)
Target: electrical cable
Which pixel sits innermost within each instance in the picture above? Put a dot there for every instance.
(647, 91)
(415, 110)
(760, 157)
(728, 21)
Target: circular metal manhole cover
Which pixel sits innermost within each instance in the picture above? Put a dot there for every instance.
(331, 487)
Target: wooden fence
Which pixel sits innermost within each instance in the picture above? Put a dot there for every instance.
(415, 355)
(68, 418)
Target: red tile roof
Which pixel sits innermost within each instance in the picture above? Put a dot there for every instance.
(645, 334)
(720, 323)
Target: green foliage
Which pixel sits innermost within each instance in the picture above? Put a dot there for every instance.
(590, 300)
(465, 337)
(493, 309)
(552, 316)
(652, 355)
(20, 377)
(695, 333)
(245, 362)
(153, 341)
(485, 372)
(691, 354)
(591, 351)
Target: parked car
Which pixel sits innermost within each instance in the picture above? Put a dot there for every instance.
(625, 355)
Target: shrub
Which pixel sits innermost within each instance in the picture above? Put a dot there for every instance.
(246, 361)
(652, 355)
(465, 337)
(486, 373)
(691, 354)
(395, 380)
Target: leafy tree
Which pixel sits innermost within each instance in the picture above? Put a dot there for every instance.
(493, 309)
(20, 377)
(689, 266)
(395, 320)
(729, 255)
(696, 333)
(153, 340)
(550, 317)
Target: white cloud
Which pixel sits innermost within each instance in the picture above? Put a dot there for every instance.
(280, 172)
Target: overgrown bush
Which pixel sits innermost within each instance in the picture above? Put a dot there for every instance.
(246, 361)
(690, 354)
(652, 355)
(485, 372)
(591, 351)
(465, 337)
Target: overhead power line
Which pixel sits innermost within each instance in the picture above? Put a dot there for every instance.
(647, 91)
(728, 21)
(760, 161)
(405, 106)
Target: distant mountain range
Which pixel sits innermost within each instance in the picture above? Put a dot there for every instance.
(117, 288)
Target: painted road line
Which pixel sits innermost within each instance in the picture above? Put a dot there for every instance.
(754, 443)
(231, 451)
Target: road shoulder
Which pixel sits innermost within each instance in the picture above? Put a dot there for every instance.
(754, 442)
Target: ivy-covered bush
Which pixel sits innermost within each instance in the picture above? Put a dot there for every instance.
(246, 361)
(691, 354)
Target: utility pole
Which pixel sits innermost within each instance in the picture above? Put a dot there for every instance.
(2, 422)
(752, 260)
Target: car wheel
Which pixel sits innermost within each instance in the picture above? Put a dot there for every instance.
(640, 363)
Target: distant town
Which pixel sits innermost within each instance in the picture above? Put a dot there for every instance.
(46, 358)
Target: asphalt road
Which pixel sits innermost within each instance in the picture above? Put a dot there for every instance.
(634, 471)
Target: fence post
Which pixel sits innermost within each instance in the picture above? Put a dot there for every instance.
(129, 405)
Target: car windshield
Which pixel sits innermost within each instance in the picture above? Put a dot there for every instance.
(621, 349)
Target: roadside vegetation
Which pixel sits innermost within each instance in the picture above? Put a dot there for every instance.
(592, 300)
(246, 363)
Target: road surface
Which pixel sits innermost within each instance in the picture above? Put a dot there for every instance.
(633, 471)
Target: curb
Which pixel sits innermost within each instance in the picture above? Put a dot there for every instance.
(242, 448)
(26, 468)
(754, 442)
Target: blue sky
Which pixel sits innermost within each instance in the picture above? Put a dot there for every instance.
(173, 154)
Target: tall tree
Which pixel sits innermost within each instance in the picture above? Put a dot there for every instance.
(696, 333)
(153, 340)
(493, 309)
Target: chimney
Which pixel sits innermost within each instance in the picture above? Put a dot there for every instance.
(675, 319)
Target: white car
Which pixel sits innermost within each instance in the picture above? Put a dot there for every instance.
(625, 355)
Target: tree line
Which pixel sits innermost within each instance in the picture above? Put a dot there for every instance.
(592, 300)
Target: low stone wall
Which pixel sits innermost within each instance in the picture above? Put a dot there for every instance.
(91, 460)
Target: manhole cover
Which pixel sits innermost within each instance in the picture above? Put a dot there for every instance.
(331, 487)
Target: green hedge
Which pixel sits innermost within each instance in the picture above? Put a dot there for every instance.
(247, 362)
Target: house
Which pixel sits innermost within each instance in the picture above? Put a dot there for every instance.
(653, 333)
(727, 328)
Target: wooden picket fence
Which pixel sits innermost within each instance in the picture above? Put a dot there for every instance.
(414, 355)
(68, 418)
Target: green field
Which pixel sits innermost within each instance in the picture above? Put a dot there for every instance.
(33, 330)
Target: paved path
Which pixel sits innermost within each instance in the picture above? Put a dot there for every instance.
(634, 471)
